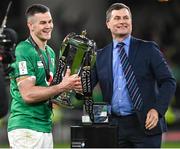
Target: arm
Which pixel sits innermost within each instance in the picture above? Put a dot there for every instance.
(165, 85)
(34, 94)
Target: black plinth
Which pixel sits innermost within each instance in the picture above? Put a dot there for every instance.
(93, 136)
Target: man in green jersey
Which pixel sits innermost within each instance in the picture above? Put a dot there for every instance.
(29, 124)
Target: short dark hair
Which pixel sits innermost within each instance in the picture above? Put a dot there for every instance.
(116, 6)
(36, 8)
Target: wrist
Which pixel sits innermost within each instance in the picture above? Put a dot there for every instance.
(61, 88)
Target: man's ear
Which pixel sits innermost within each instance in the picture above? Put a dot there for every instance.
(30, 26)
(107, 24)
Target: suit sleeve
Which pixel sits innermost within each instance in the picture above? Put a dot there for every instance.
(166, 83)
(94, 76)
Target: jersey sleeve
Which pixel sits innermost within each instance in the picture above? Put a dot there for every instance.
(25, 61)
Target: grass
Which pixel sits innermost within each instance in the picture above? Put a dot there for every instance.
(171, 145)
(66, 145)
(164, 145)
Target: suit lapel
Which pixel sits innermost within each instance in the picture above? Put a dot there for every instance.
(133, 48)
(108, 58)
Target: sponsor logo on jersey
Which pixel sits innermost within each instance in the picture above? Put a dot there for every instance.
(52, 61)
(23, 68)
(40, 64)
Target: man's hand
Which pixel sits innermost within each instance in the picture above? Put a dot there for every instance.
(151, 119)
(71, 82)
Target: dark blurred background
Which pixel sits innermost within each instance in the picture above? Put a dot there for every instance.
(157, 20)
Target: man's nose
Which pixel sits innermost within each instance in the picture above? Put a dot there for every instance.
(49, 25)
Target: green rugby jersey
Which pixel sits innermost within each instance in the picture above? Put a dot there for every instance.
(31, 116)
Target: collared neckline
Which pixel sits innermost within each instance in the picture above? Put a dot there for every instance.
(126, 41)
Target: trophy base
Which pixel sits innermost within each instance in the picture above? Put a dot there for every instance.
(100, 114)
(63, 102)
(86, 119)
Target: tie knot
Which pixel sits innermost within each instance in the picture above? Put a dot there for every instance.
(120, 44)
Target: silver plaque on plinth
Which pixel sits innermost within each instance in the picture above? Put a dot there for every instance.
(100, 114)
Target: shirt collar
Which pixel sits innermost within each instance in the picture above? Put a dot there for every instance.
(126, 41)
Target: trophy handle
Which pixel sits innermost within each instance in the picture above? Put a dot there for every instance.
(69, 47)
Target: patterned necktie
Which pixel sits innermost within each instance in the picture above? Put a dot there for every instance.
(131, 83)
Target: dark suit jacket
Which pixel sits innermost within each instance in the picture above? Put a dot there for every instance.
(153, 75)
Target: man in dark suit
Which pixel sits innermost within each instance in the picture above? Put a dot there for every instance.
(150, 76)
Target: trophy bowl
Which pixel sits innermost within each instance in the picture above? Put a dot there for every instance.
(77, 52)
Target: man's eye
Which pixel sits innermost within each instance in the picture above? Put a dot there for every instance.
(116, 18)
(42, 22)
(126, 18)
